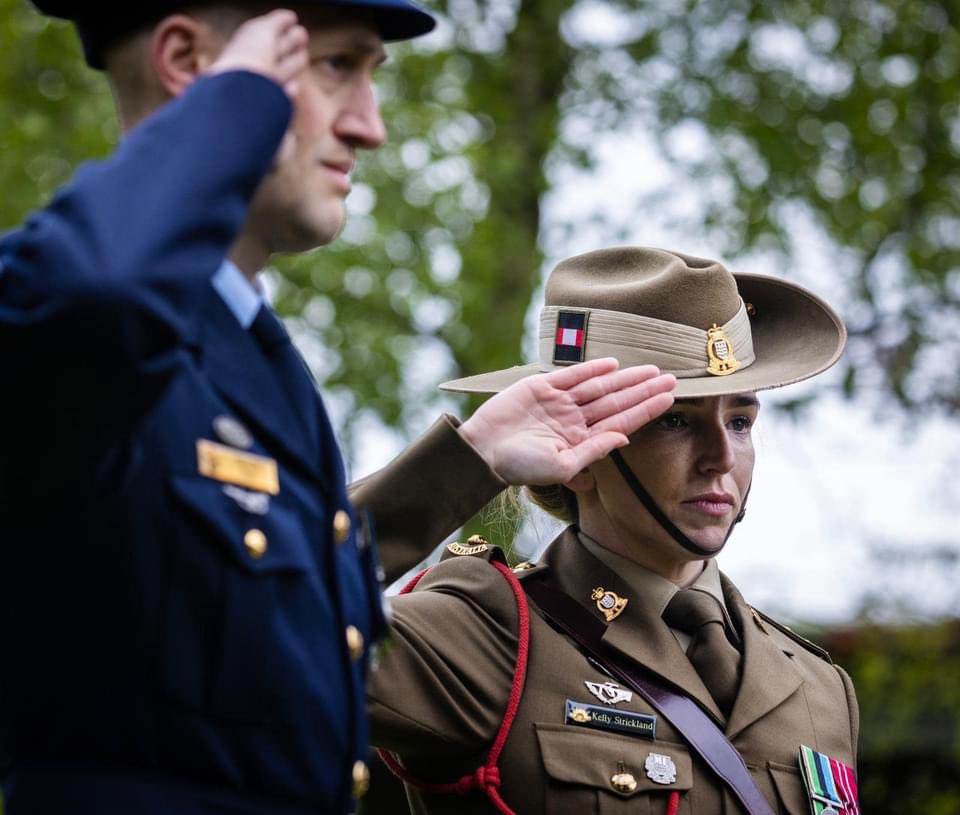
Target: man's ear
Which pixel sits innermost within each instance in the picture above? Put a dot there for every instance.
(581, 482)
(182, 48)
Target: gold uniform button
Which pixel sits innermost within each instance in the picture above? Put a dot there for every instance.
(341, 526)
(361, 779)
(354, 642)
(623, 782)
(256, 543)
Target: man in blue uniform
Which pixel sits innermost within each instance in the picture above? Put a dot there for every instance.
(186, 600)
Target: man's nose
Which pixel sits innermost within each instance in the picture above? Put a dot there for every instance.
(360, 122)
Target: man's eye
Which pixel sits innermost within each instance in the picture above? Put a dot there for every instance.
(333, 62)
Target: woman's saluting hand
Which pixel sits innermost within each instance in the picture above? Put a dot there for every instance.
(545, 429)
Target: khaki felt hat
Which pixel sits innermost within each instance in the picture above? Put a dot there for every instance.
(717, 332)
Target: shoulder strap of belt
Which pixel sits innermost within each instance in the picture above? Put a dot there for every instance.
(682, 712)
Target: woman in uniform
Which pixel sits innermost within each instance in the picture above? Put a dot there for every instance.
(638, 563)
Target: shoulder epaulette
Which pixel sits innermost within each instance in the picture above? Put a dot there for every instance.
(476, 546)
(812, 647)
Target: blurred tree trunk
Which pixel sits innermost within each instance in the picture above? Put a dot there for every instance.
(502, 259)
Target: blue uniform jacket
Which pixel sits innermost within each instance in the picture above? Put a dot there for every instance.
(151, 660)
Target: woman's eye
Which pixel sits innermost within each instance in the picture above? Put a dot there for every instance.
(672, 421)
(741, 424)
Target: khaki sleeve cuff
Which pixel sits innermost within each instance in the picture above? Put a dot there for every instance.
(431, 489)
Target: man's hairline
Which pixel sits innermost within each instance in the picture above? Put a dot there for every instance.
(130, 112)
(242, 11)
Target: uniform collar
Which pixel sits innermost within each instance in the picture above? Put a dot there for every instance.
(640, 634)
(654, 589)
(241, 296)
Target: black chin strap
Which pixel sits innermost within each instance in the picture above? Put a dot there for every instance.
(661, 517)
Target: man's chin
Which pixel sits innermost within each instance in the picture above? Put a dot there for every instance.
(310, 235)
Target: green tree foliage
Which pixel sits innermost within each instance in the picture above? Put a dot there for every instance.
(849, 110)
(845, 110)
(906, 680)
(53, 112)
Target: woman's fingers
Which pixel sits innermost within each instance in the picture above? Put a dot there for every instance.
(601, 387)
(631, 420)
(591, 449)
(597, 387)
(567, 378)
(627, 398)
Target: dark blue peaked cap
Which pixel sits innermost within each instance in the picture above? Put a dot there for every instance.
(101, 24)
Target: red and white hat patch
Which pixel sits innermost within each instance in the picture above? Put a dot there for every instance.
(570, 343)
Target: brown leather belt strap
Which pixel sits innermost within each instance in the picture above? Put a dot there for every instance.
(682, 712)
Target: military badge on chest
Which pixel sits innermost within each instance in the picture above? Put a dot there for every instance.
(231, 431)
(248, 479)
(609, 603)
(660, 768)
(831, 785)
(582, 714)
(609, 693)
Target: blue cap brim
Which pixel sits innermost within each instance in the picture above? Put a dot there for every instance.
(394, 19)
(101, 27)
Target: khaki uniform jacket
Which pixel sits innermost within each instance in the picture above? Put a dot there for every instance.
(425, 494)
(439, 693)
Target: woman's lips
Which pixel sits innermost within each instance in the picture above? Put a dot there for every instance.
(716, 504)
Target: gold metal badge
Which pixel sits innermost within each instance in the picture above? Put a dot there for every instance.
(231, 466)
(720, 358)
(758, 621)
(580, 715)
(474, 546)
(610, 603)
(622, 781)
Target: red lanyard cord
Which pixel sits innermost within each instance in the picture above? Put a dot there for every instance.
(487, 777)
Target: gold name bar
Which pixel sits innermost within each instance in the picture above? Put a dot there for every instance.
(222, 463)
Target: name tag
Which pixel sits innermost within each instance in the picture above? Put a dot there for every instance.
(232, 466)
(619, 721)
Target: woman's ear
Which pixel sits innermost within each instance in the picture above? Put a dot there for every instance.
(581, 482)
(182, 48)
